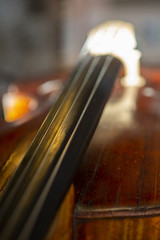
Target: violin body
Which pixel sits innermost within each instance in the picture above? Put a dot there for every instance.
(117, 188)
(116, 192)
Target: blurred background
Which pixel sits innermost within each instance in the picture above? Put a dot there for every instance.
(37, 37)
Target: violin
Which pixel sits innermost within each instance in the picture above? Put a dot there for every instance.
(115, 192)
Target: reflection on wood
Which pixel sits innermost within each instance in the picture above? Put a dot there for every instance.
(119, 229)
(117, 186)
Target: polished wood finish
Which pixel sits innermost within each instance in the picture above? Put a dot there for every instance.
(117, 191)
(117, 229)
(117, 187)
(62, 224)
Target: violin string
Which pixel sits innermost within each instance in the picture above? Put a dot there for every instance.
(83, 84)
(15, 186)
(44, 159)
(40, 136)
(35, 212)
(14, 211)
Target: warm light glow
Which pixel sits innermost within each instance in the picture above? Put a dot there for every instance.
(118, 39)
(111, 37)
(16, 106)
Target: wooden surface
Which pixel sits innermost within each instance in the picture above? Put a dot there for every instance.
(62, 224)
(117, 187)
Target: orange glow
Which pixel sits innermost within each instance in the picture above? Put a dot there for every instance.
(16, 106)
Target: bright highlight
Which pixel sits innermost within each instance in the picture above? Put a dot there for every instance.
(118, 39)
(17, 106)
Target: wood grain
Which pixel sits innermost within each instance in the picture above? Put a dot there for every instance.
(117, 187)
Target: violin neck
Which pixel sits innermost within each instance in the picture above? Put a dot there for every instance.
(44, 176)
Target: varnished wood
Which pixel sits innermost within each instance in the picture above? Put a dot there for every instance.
(117, 186)
(62, 224)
